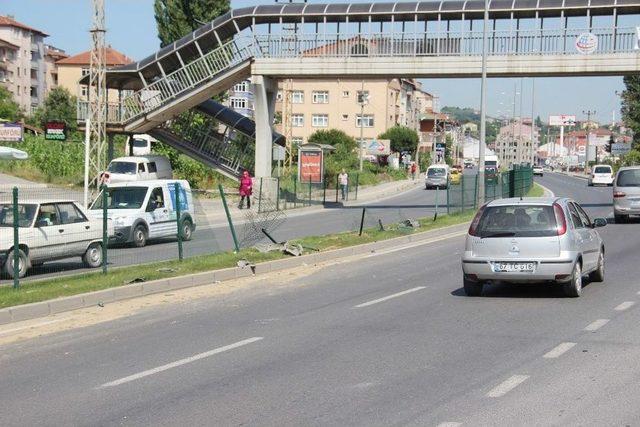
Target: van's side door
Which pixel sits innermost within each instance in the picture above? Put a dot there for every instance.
(158, 214)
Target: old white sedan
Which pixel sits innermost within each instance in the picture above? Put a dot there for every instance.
(48, 230)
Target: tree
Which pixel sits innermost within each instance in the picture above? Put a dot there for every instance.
(631, 107)
(344, 156)
(177, 18)
(60, 105)
(9, 109)
(402, 138)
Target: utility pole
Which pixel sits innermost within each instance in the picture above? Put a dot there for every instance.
(363, 99)
(588, 113)
(96, 135)
(533, 150)
(483, 106)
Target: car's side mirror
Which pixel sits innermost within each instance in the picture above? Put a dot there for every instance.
(599, 222)
(152, 206)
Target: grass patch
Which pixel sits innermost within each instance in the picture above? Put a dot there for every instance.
(46, 289)
(535, 191)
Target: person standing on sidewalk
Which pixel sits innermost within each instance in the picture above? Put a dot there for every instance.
(414, 169)
(343, 178)
(246, 188)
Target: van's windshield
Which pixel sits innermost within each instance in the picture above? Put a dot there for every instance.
(122, 198)
(139, 143)
(128, 168)
(517, 221)
(629, 178)
(436, 172)
(602, 169)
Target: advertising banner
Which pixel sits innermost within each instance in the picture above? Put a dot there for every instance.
(55, 131)
(378, 147)
(586, 43)
(562, 120)
(310, 165)
(10, 132)
(619, 149)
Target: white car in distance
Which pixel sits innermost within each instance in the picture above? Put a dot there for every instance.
(601, 175)
(49, 230)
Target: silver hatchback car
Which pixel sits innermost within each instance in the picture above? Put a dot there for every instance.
(626, 193)
(537, 239)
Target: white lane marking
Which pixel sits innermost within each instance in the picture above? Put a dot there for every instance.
(507, 385)
(559, 350)
(35, 325)
(399, 294)
(416, 244)
(625, 305)
(180, 362)
(450, 424)
(597, 324)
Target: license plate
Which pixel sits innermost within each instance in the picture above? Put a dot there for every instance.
(511, 267)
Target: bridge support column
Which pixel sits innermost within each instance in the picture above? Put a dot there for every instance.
(264, 94)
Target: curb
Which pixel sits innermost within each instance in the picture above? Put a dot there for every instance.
(91, 299)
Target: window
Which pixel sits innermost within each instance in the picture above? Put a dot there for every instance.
(18, 71)
(241, 87)
(84, 91)
(236, 102)
(320, 97)
(517, 221)
(320, 120)
(583, 216)
(297, 97)
(297, 120)
(345, 93)
(158, 197)
(141, 167)
(279, 96)
(575, 217)
(152, 165)
(47, 216)
(69, 214)
(345, 117)
(364, 121)
(85, 71)
(362, 96)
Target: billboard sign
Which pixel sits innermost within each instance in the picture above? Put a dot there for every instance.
(55, 131)
(586, 43)
(378, 147)
(619, 149)
(599, 141)
(10, 132)
(562, 120)
(310, 165)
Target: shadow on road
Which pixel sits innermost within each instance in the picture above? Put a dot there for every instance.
(529, 290)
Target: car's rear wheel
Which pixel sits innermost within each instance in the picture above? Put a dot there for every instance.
(598, 274)
(23, 264)
(92, 258)
(620, 219)
(573, 288)
(471, 288)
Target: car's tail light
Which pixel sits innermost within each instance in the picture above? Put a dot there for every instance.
(561, 220)
(619, 194)
(473, 228)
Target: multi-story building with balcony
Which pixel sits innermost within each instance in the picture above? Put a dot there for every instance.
(51, 56)
(25, 65)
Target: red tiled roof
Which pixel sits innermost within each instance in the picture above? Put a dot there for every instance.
(6, 21)
(113, 58)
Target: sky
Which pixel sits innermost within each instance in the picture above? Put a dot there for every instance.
(131, 29)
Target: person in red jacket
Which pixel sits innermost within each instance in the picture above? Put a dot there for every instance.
(246, 187)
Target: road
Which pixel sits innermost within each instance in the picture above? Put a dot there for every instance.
(388, 339)
(214, 238)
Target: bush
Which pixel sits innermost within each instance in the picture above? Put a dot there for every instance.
(402, 139)
(632, 158)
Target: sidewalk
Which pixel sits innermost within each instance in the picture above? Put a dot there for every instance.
(211, 211)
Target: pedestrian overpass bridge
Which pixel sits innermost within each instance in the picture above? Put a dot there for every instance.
(362, 40)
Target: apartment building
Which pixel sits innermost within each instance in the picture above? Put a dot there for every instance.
(513, 143)
(72, 68)
(22, 62)
(310, 105)
(240, 98)
(51, 56)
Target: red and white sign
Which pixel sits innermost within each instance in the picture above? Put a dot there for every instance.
(562, 120)
(310, 166)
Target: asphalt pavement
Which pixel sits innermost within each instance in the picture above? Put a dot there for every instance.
(388, 339)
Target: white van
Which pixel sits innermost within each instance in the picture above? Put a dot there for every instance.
(137, 168)
(145, 210)
(139, 144)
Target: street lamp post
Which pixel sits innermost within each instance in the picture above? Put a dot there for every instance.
(483, 105)
(363, 100)
(588, 113)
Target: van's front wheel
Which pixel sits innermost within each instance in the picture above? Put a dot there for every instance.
(139, 236)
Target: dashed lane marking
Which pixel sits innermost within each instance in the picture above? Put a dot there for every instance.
(595, 325)
(399, 294)
(450, 424)
(507, 385)
(559, 350)
(625, 305)
(180, 362)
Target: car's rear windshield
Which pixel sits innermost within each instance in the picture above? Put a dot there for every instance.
(26, 213)
(436, 172)
(629, 178)
(517, 221)
(602, 169)
(139, 143)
